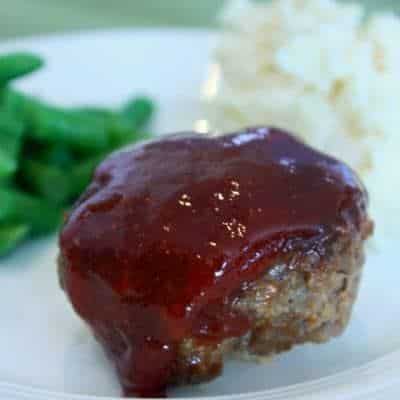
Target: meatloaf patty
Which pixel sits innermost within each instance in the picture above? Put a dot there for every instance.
(189, 248)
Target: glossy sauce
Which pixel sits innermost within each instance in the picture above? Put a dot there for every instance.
(168, 232)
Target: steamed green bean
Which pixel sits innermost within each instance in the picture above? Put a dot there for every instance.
(16, 65)
(82, 174)
(12, 235)
(138, 112)
(57, 155)
(55, 125)
(22, 208)
(47, 181)
(11, 131)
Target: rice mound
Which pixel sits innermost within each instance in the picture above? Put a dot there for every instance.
(322, 70)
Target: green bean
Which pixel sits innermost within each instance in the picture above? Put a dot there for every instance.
(57, 155)
(84, 133)
(49, 182)
(120, 131)
(82, 174)
(70, 184)
(47, 124)
(109, 119)
(11, 236)
(137, 137)
(98, 112)
(11, 131)
(7, 166)
(42, 179)
(21, 107)
(16, 65)
(120, 128)
(16, 102)
(18, 207)
(138, 111)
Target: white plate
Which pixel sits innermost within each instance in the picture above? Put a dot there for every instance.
(47, 353)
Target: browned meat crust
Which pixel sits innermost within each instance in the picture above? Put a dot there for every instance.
(288, 307)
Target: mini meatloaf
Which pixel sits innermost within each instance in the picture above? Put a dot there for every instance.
(189, 248)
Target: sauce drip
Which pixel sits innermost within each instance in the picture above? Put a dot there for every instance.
(168, 232)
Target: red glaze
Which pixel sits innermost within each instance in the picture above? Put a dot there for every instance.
(168, 232)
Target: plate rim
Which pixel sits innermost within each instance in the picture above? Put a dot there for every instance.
(73, 34)
(327, 386)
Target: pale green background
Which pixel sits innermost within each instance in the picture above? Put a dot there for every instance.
(27, 17)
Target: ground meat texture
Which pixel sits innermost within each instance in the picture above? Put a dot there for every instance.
(287, 307)
(189, 248)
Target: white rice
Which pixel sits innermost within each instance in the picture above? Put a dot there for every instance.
(321, 70)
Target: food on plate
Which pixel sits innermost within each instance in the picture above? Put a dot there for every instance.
(190, 248)
(322, 69)
(48, 153)
(17, 65)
